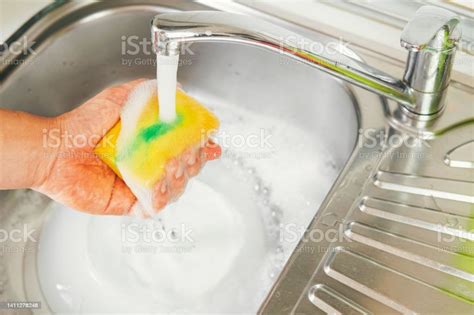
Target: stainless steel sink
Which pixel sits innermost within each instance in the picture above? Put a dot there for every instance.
(400, 216)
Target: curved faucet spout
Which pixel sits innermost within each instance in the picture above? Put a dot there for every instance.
(171, 30)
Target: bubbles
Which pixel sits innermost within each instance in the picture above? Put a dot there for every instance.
(238, 162)
(256, 187)
(279, 250)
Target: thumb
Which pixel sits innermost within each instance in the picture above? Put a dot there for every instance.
(121, 199)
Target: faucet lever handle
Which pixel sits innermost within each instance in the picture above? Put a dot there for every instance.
(430, 38)
(431, 28)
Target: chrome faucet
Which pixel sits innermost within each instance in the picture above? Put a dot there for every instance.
(430, 38)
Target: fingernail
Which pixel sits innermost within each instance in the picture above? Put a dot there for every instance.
(192, 159)
(179, 172)
(163, 188)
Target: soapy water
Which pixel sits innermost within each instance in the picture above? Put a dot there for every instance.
(210, 258)
(217, 249)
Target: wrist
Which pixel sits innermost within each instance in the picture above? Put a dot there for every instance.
(26, 155)
(46, 150)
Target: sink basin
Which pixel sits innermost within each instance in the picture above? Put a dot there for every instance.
(373, 222)
(97, 48)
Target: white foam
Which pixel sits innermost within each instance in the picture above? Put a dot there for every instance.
(129, 117)
(213, 262)
(133, 108)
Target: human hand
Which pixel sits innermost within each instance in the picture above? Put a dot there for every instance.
(79, 179)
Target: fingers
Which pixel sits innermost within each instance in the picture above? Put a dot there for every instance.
(176, 177)
(88, 186)
(179, 170)
(173, 183)
(112, 196)
(192, 160)
(212, 150)
(161, 195)
(121, 199)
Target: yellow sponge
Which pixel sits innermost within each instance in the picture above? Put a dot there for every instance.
(152, 143)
